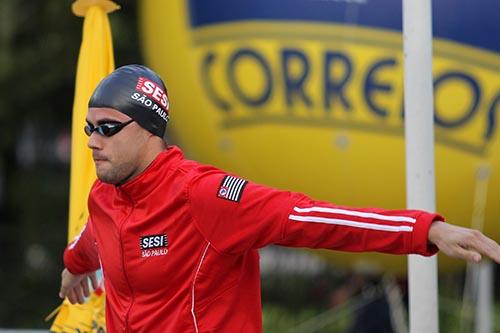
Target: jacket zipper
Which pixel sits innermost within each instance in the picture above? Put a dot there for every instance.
(127, 328)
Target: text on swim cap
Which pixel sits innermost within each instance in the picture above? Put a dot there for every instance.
(150, 104)
(151, 89)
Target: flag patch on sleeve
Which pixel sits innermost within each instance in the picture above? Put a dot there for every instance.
(231, 188)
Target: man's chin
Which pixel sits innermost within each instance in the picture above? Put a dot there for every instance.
(113, 179)
(105, 177)
(107, 180)
(113, 175)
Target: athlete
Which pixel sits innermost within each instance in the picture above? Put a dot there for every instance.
(177, 240)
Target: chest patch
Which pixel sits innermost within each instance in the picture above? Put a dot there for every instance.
(231, 188)
(153, 245)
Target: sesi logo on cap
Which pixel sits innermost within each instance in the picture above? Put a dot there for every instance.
(152, 90)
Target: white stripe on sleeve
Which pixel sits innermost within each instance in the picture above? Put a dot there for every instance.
(348, 223)
(355, 213)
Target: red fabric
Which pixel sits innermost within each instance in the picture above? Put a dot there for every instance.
(207, 278)
(81, 252)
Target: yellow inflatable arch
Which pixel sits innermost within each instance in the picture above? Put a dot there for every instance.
(309, 97)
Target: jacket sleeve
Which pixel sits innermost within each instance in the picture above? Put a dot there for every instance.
(80, 256)
(235, 215)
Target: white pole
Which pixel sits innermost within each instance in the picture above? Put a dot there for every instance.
(484, 308)
(419, 136)
(482, 287)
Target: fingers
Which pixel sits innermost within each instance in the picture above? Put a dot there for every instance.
(76, 287)
(463, 243)
(467, 254)
(460, 252)
(71, 297)
(63, 292)
(484, 245)
(66, 278)
(85, 287)
(76, 295)
(93, 279)
(79, 294)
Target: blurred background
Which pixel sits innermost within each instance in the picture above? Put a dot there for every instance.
(251, 130)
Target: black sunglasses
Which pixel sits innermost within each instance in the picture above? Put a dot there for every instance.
(107, 129)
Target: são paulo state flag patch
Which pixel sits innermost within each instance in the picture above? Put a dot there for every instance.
(231, 188)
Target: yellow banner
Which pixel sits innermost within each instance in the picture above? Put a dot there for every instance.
(95, 61)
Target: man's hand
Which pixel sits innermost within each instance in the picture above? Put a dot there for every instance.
(76, 287)
(463, 243)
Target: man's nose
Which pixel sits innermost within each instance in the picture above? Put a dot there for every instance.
(95, 141)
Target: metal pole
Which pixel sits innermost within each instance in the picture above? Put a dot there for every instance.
(419, 136)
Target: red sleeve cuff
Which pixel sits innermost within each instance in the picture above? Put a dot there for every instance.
(69, 262)
(77, 264)
(420, 241)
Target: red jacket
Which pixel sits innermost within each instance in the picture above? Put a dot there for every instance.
(178, 244)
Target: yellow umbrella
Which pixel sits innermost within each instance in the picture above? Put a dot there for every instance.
(95, 61)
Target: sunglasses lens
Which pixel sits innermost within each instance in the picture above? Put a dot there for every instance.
(104, 130)
(113, 130)
(87, 130)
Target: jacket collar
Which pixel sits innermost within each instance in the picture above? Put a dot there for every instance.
(144, 183)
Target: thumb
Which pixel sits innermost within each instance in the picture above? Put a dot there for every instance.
(62, 292)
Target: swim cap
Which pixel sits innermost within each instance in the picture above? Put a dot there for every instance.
(138, 92)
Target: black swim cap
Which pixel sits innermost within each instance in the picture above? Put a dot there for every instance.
(138, 92)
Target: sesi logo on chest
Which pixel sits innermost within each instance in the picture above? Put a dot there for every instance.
(153, 245)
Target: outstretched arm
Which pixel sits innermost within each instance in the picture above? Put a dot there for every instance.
(241, 215)
(235, 215)
(463, 243)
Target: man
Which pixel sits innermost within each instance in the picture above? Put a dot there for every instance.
(177, 240)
